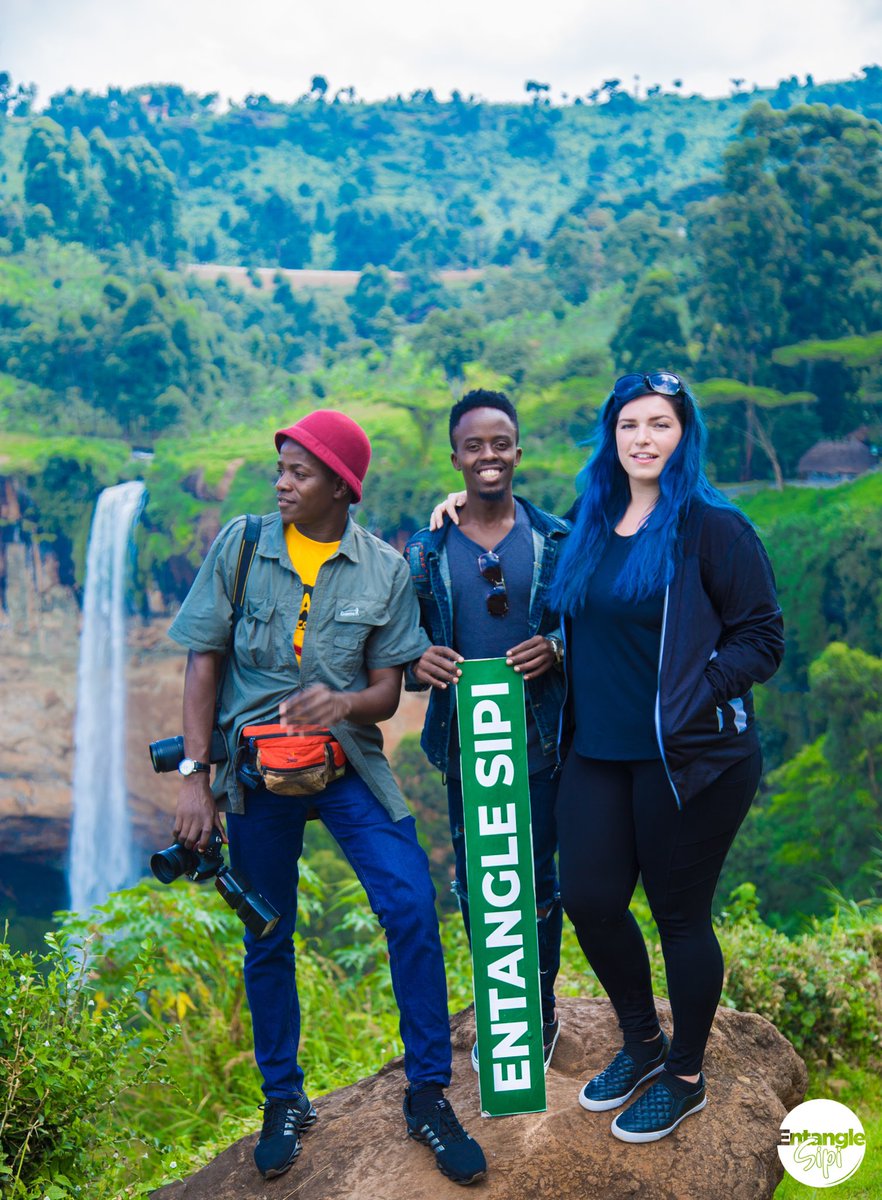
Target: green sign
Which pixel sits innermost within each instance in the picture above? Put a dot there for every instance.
(502, 891)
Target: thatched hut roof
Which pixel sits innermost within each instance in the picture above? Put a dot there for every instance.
(837, 460)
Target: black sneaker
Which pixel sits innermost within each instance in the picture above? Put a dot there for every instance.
(457, 1154)
(550, 1034)
(279, 1144)
(619, 1081)
(659, 1110)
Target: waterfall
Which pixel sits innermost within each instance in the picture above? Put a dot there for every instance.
(101, 858)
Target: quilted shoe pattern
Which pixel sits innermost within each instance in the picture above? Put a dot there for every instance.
(617, 1082)
(658, 1112)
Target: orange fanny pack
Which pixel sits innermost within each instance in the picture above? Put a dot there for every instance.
(294, 762)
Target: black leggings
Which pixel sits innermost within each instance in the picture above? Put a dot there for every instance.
(616, 820)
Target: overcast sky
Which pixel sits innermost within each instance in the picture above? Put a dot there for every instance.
(382, 47)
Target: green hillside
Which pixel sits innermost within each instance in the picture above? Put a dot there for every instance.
(736, 241)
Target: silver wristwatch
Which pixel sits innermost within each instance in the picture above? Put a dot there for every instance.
(189, 766)
(558, 647)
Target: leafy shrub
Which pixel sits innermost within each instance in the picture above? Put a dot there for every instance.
(212, 1088)
(67, 1053)
(822, 989)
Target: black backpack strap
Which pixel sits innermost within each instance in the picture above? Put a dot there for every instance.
(250, 538)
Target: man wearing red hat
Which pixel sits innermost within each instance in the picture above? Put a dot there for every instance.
(329, 620)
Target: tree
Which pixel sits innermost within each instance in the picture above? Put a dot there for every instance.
(792, 249)
(371, 306)
(819, 824)
(845, 686)
(836, 367)
(274, 231)
(572, 260)
(365, 235)
(744, 241)
(854, 350)
(450, 340)
(100, 192)
(639, 240)
(318, 87)
(649, 334)
(732, 391)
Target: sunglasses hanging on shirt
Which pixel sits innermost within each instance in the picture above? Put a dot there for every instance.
(491, 569)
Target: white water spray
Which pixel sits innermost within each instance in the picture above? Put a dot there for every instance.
(101, 843)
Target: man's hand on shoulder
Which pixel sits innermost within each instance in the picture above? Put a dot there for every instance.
(447, 508)
(438, 666)
(531, 658)
(196, 814)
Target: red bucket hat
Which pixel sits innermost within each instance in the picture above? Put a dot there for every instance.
(336, 440)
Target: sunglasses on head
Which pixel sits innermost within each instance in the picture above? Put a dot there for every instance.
(663, 383)
(491, 569)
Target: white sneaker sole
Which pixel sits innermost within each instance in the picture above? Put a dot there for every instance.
(625, 1135)
(615, 1101)
(551, 1049)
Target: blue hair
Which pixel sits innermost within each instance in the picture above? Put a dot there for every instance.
(605, 493)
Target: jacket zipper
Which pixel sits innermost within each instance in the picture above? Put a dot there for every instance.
(658, 729)
(566, 694)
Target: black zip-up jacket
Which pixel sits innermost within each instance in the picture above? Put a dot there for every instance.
(722, 632)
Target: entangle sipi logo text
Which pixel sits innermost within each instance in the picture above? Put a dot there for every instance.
(822, 1143)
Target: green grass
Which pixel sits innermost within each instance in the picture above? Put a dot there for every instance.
(25, 453)
(767, 506)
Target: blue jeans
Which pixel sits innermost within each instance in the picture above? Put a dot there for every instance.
(549, 926)
(265, 845)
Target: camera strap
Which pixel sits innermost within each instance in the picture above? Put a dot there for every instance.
(250, 538)
(247, 548)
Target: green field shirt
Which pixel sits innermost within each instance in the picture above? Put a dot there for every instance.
(363, 616)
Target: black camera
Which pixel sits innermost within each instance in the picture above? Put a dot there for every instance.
(257, 914)
(168, 752)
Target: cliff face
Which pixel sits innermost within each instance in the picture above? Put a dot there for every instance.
(38, 663)
(39, 646)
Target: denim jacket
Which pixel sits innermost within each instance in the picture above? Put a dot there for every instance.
(426, 556)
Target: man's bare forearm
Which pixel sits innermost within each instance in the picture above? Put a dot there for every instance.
(200, 690)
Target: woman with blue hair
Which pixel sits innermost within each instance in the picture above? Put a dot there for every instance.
(671, 614)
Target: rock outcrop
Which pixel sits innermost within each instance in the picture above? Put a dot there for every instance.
(359, 1148)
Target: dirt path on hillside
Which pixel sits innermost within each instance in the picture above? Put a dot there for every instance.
(304, 280)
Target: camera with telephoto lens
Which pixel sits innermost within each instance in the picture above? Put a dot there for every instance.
(257, 914)
(168, 752)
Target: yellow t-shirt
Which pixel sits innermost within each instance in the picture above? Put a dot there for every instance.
(306, 557)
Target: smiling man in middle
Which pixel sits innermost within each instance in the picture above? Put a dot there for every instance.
(482, 587)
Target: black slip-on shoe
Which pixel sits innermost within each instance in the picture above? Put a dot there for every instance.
(550, 1034)
(619, 1081)
(658, 1112)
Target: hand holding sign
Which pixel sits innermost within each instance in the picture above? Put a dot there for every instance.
(502, 894)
